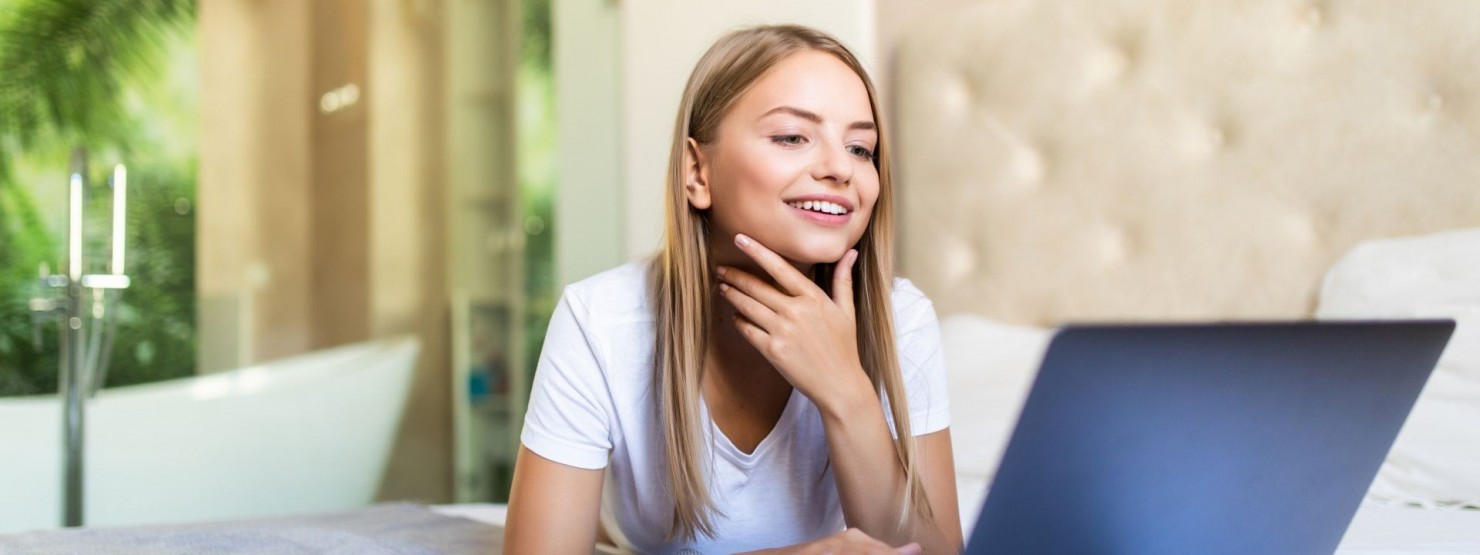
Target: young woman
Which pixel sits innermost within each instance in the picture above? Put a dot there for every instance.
(742, 390)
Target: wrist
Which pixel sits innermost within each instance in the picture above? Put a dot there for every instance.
(849, 399)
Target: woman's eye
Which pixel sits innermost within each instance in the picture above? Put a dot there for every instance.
(789, 140)
(861, 152)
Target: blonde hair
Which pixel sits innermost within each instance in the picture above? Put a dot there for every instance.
(683, 284)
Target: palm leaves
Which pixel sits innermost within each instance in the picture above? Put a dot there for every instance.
(63, 64)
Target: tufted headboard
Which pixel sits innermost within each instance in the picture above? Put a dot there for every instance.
(1175, 159)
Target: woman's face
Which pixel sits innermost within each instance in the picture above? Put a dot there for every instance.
(791, 164)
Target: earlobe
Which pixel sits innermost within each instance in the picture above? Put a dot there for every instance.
(695, 175)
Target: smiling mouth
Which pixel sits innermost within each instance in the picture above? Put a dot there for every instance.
(820, 206)
(820, 212)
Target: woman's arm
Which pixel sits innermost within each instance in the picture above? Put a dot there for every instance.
(553, 508)
(938, 461)
(870, 476)
(811, 339)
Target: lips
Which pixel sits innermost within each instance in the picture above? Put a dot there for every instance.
(823, 202)
(821, 218)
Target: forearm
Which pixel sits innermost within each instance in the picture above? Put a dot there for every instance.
(869, 474)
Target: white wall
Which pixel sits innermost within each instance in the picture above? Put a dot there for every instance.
(588, 198)
(616, 126)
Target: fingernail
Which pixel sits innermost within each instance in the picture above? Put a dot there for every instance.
(852, 256)
(723, 288)
(720, 270)
(742, 240)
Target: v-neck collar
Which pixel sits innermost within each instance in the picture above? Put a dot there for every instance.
(784, 425)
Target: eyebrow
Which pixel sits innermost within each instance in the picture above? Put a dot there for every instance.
(814, 118)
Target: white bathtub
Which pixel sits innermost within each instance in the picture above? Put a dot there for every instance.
(306, 434)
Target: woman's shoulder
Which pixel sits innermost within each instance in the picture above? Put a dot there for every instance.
(912, 308)
(905, 295)
(620, 293)
(906, 291)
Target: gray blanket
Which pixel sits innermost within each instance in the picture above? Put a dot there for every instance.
(402, 529)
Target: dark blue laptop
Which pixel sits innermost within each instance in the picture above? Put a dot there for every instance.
(1247, 439)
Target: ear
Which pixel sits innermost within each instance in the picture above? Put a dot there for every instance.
(695, 175)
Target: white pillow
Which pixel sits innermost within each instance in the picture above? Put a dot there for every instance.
(990, 367)
(1436, 459)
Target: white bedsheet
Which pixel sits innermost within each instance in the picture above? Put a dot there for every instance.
(496, 514)
(1377, 529)
(1389, 530)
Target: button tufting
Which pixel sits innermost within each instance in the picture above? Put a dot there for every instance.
(955, 97)
(1029, 164)
(1312, 16)
(1113, 245)
(1434, 102)
(1300, 230)
(958, 261)
(1217, 137)
(1063, 160)
(1106, 64)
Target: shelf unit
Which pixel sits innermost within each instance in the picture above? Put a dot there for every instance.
(486, 246)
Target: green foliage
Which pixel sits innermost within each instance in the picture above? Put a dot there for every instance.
(23, 237)
(535, 49)
(536, 105)
(64, 65)
(88, 73)
(156, 314)
(155, 337)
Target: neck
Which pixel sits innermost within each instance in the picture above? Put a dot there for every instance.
(733, 363)
(730, 353)
(723, 252)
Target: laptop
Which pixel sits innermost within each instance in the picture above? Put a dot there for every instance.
(1241, 438)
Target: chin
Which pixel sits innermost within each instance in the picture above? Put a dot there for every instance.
(818, 251)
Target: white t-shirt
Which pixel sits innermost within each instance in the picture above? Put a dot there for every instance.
(593, 407)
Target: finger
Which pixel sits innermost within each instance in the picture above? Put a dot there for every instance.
(909, 549)
(751, 332)
(791, 280)
(748, 306)
(843, 281)
(754, 286)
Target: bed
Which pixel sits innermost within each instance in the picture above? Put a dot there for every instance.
(1133, 160)
(1166, 160)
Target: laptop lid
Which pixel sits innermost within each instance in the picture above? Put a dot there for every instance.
(1214, 438)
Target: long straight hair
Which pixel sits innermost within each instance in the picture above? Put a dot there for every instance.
(682, 282)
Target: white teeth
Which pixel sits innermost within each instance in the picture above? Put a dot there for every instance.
(820, 206)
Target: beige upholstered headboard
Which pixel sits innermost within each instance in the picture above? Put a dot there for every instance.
(1175, 159)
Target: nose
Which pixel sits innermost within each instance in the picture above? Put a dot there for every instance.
(833, 164)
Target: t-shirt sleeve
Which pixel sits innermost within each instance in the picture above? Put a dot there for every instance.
(569, 419)
(921, 362)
